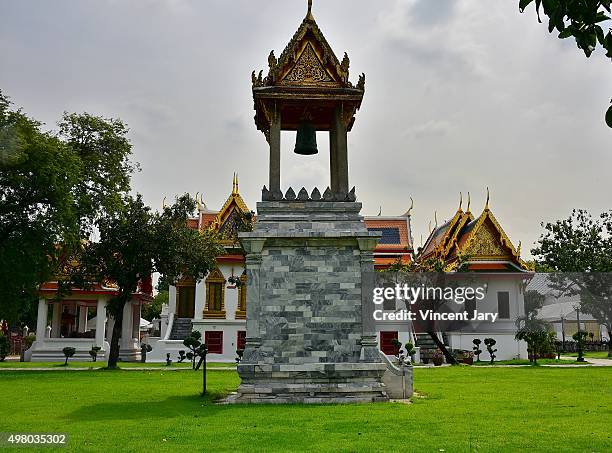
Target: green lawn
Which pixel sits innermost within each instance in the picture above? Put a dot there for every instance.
(589, 354)
(102, 364)
(461, 409)
(527, 362)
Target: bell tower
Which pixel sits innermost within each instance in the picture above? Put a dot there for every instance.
(310, 331)
(307, 89)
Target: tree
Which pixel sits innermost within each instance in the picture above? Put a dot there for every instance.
(533, 331)
(52, 189)
(68, 352)
(37, 208)
(579, 19)
(134, 243)
(153, 309)
(581, 247)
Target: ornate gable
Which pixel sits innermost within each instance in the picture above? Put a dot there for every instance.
(308, 60)
(225, 221)
(486, 243)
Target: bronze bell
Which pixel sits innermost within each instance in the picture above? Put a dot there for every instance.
(306, 141)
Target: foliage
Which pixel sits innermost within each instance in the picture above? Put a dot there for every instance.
(68, 352)
(134, 243)
(93, 352)
(52, 189)
(153, 309)
(198, 351)
(580, 19)
(581, 246)
(477, 351)
(535, 332)
(490, 343)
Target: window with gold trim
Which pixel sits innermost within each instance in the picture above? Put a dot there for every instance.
(215, 295)
(242, 298)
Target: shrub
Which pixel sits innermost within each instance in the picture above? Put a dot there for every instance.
(93, 352)
(68, 352)
(476, 348)
(489, 343)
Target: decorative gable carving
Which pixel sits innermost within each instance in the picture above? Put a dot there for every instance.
(308, 69)
(486, 243)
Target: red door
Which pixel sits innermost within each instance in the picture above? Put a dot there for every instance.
(241, 343)
(214, 341)
(387, 340)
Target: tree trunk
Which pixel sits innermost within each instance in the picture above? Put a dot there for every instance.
(113, 355)
(449, 357)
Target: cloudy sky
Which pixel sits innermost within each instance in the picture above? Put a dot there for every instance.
(460, 95)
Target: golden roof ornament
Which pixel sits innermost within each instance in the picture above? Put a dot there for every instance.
(488, 198)
(460, 201)
(235, 185)
(469, 203)
(309, 13)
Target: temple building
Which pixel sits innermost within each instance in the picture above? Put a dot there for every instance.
(477, 245)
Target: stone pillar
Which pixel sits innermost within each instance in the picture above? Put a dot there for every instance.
(82, 318)
(101, 321)
(275, 153)
(253, 248)
(369, 343)
(56, 320)
(41, 320)
(126, 326)
(339, 151)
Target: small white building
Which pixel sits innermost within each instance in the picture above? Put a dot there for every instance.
(65, 321)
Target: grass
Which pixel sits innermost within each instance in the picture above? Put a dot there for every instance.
(460, 409)
(527, 362)
(589, 354)
(102, 364)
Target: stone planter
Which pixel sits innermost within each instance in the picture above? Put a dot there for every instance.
(438, 361)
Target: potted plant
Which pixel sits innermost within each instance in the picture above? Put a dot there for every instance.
(437, 358)
(410, 351)
(466, 357)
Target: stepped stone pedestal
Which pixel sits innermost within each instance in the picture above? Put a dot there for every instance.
(310, 332)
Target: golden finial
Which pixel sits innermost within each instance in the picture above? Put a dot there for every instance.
(435, 219)
(380, 212)
(164, 203)
(235, 184)
(202, 201)
(309, 14)
(488, 197)
(197, 200)
(429, 227)
(518, 249)
(469, 202)
(421, 240)
(460, 200)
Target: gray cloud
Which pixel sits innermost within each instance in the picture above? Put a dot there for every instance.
(460, 95)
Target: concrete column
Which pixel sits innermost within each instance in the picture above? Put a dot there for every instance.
(56, 320)
(82, 318)
(253, 248)
(369, 344)
(110, 325)
(339, 154)
(126, 326)
(275, 153)
(101, 321)
(41, 320)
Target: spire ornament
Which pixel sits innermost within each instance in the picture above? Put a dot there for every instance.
(460, 200)
(408, 213)
(469, 202)
(309, 13)
(488, 198)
